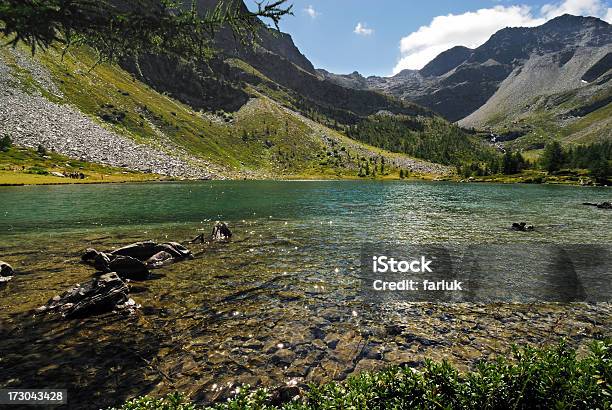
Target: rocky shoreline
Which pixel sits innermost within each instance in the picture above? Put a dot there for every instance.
(231, 316)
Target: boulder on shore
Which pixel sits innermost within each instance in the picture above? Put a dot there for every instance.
(221, 232)
(103, 294)
(6, 269)
(522, 227)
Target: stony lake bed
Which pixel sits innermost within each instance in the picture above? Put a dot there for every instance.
(278, 304)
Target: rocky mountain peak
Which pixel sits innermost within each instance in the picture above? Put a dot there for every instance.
(446, 61)
(460, 80)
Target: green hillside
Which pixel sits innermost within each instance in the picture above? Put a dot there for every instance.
(262, 139)
(575, 117)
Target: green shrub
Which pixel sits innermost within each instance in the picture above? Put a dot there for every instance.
(41, 150)
(547, 378)
(5, 143)
(37, 171)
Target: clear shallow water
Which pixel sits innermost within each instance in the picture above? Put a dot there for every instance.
(280, 302)
(382, 210)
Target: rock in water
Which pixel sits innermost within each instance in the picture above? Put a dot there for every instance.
(139, 250)
(221, 232)
(522, 227)
(603, 205)
(99, 295)
(133, 261)
(178, 251)
(159, 259)
(4, 280)
(129, 268)
(6, 269)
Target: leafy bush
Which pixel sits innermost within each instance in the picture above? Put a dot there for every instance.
(37, 171)
(41, 150)
(531, 379)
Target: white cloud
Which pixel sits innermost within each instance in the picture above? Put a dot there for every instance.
(311, 12)
(472, 29)
(576, 7)
(362, 30)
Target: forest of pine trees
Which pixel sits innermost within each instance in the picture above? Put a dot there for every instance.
(595, 157)
(430, 138)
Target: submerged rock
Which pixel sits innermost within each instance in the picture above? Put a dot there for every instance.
(6, 269)
(603, 205)
(104, 294)
(221, 232)
(522, 227)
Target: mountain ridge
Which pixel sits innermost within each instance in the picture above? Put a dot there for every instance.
(459, 81)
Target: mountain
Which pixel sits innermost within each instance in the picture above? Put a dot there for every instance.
(558, 87)
(248, 112)
(446, 61)
(522, 80)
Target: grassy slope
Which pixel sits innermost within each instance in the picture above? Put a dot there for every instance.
(26, 166)
(261, 140)
(396, 133)
(543, 119)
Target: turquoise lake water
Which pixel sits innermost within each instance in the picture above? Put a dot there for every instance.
(281, 302)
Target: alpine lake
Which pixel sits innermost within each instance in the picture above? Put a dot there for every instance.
(281, 302)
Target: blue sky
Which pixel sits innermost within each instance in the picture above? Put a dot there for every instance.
(381, 37)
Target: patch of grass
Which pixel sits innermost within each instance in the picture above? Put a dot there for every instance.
(534, 176)
(593, 127)
(25, 166)
(532, 378)
(565, 116)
